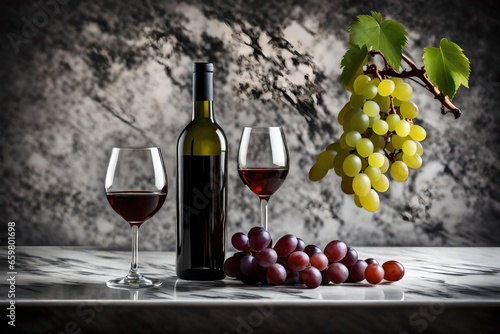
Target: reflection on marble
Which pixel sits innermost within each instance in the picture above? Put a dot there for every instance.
(101, 74)
(60, 285)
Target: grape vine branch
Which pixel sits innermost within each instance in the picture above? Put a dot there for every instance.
(414, 72)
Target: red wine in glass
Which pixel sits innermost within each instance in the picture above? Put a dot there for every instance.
(263, 181)
(136, 206)
(136, 187)
(263, 163)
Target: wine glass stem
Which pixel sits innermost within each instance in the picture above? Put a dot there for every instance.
(263, 212)
(134, 266)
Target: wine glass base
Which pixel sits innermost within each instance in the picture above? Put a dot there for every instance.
(136, 283)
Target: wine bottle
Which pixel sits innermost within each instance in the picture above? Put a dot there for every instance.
(201, 186)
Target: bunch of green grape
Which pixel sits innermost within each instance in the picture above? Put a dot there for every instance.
(379, 136)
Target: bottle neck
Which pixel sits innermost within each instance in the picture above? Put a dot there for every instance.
(203, 110)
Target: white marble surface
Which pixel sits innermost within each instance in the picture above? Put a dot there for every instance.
(432, 274)
(445, 290)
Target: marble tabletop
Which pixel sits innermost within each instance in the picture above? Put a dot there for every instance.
(62, 289)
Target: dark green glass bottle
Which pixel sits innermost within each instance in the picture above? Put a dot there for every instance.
(201, 186)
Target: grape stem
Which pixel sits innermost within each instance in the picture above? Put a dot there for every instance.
(413, 72)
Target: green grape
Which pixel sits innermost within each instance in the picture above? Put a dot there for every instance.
(333, 147)
(408, 109)
(364, 162)
(420, 148)
(385, 167)
(359, 122)
(364, 147)
(342, 141)
(340, 157)
(357, 101)
(371, 108)
(378, 141)
(357, 201)
(375, 81)
(351, 165)
(403, 91)
(399, 171)
(399, 156)
(338, 162)
(392, 120)
(380, 127)
(382, 184)
(352, 138)
(376, 160)
(373, 119)
(370, 202)
(397, 141)
(396, 80)
(373, 173)
(370, 91)
(348, 115)
(396, 102)
(413, 161)
(339, 171)
(384, 102)
(325, 159)
(346, 185)
(417, 132)
(409, 147)
(361, 185)
(386, 87)
(390, 147)
(342, 113)
(402, 128)
(316, 173)
(360, 83)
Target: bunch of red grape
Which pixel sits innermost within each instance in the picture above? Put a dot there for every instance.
(291, 261)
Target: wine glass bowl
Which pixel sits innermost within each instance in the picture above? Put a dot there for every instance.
(263, 163)
(136, 188)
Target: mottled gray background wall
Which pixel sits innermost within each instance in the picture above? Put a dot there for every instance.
(86, 76)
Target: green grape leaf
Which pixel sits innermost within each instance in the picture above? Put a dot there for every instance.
(352, 63)
(447, 67)
(388, 36)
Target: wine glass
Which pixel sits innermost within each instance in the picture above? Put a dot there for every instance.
(263, 163)
(136, 187)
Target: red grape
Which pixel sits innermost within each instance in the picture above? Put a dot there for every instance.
(335, 250)
(374, 273)
(300, 245)
(394, 271)
(285, 245)
(311, 277)
(248, 264)
(297, 261)
(292, 277)
(232, 266)
(371, 260)
(357, 271)
(276, 274)
(324, 277)
(319, 261)
(337, 272)
(350, 258)
(239, 241)
(259, 240)
(312, 249)
(266, 257)
(254, 229)
(261, 274)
